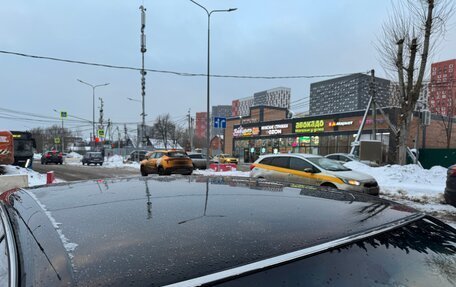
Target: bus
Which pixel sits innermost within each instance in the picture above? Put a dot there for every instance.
(24, 144)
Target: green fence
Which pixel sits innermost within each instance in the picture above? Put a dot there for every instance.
(437, 156)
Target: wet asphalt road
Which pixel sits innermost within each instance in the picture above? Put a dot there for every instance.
(72, 172)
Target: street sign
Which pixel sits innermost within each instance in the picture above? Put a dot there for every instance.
(57, 140)
(101, 133)
(219, 123)
(63, 115)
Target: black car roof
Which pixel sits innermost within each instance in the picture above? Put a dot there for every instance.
(162, 231)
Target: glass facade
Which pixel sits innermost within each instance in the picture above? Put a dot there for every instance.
(249, 149)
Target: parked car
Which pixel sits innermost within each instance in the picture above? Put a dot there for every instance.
(136, 156)
(94, 157)
(224, 158)
(166, 162)
(346, 157)
(52, 156)
(313, 170)
(216, 232)
(198, 160)
(450, 189)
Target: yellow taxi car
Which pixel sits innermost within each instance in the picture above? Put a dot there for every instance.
(312, 170)
(166, 162)
(225, 158)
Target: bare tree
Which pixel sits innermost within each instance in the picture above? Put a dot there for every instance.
(405, 48)
(164, 128)
(44, 137)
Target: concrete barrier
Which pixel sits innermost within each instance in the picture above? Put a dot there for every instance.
(8, 182)
(50, 177)
(222, 166)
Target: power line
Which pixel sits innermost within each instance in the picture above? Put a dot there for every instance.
(173, 72)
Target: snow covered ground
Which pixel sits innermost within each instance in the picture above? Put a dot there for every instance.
(413, 186)
(409, 182)
(115, 161)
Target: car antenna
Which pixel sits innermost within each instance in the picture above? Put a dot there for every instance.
(39, 245)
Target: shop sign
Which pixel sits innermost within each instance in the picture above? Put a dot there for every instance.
(246, 132)
(249, 121)
(274, 129)
(310, 126)
(340, 124)
(371, 121)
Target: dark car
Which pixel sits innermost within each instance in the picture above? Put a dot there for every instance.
(92, 158)
(52, 156)
(198, 160)
(136, 156)
(187, 231)
(450, 189)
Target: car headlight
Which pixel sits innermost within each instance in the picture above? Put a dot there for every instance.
(351, 181)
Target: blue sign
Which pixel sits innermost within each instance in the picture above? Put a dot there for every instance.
(219, 123)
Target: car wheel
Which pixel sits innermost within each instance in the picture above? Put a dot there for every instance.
(329, 186)
(194, 167)
(189, 172)
(161, 171)
(101, 164)
(143, 172)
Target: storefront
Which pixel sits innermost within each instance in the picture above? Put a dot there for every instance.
(314, 135)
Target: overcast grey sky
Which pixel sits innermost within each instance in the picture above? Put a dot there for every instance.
(263, 37)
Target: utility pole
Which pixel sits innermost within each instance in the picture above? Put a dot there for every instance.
(100, 120)
(190, 130)
(63, 136)
(126, 135)
(143, 75)
(109, 131)
(374, 107)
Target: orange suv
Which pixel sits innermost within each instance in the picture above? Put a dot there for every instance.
(166, 162)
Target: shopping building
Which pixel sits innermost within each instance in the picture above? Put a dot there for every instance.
(268, 130)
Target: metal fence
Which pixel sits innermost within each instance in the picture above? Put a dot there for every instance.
(437, 156)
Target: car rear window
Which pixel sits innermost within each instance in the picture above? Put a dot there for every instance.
(95, 154)
(195, 156)
(177, 154)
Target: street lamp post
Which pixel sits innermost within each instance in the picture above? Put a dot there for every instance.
(208, 124)
(93, 103)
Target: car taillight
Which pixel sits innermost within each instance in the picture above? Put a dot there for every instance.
(452, 171)
(252, 166)
(48, 155)
(60, 154)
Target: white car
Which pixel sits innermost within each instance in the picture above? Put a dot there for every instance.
(312, 170)
(346, 157)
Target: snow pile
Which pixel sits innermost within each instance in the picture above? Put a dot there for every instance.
(117, 161)
(34, 178)
(211, 172)
(74, 155)
(37, 156)
(409, 182)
